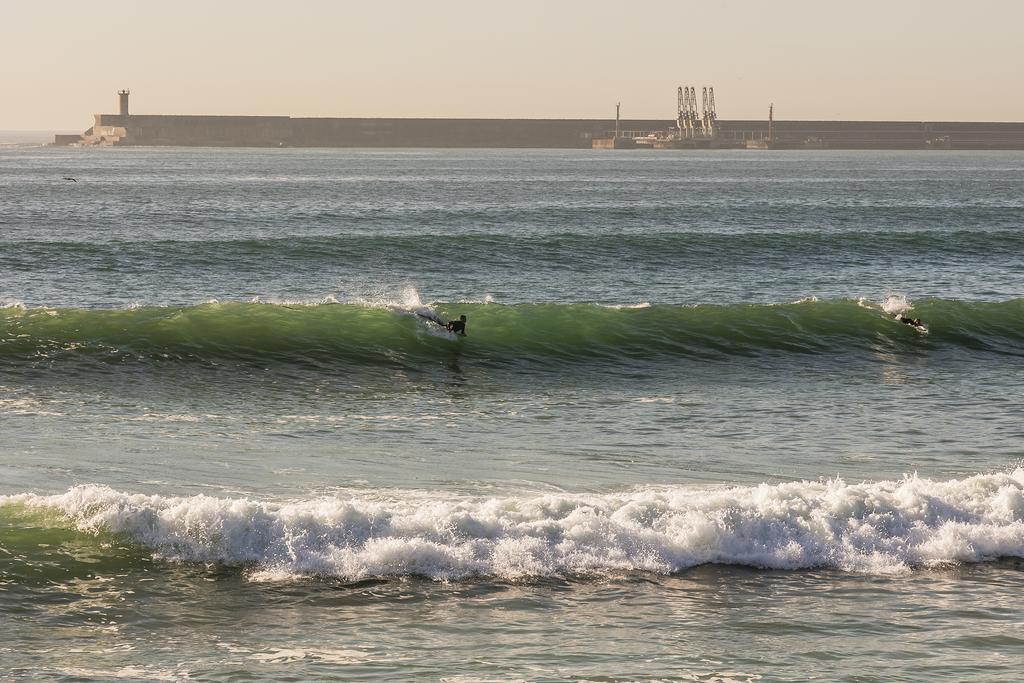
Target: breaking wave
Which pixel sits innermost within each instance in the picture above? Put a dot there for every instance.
(878, 527)
(365, 334)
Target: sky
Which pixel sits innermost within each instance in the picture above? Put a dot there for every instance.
(936, 60)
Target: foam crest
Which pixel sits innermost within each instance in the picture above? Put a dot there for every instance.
(895, 304)
(880, 527)
(406, 299)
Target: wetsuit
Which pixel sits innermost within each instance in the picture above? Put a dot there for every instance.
(457, 326)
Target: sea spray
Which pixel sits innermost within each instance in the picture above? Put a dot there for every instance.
(895, 304)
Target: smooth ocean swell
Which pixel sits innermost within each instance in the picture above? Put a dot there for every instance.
(881, 527)
(353, 334)
(579, 248)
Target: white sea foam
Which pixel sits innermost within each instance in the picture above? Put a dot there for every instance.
(895, 304)
(276, 301)
(13, 405)
(407, 299)
(879, 527)
(126, 672)
(168, 417)
(642, 304)
(488, 299)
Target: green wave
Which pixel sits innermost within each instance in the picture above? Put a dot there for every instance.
(41, 546)
(551, 333)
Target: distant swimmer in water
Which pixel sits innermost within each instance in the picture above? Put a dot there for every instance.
(457, 326)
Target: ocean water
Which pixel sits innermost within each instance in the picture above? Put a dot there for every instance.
(684, 437)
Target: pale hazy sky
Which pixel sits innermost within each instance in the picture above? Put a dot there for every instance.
(866, 59)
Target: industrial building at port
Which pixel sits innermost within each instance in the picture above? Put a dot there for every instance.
(692, 128)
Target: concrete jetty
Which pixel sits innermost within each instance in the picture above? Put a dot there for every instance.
(125, 128)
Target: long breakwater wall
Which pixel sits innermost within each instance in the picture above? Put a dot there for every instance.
(284, 131)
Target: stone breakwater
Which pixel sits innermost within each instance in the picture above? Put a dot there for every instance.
(284, 131)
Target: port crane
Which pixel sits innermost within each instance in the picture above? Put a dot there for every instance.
(710, 116)
(691, 122)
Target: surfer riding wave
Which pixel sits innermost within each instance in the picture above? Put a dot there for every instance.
(454, 326)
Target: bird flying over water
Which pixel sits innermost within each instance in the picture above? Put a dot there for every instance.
(67, 177)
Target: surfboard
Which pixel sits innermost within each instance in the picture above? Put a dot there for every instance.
(427, 314)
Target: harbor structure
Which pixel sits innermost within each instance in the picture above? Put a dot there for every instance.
(763, 142)
(692, 127)
(617, 140)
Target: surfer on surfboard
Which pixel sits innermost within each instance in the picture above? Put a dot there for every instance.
(453, 326)
(457, 326)
(913, 322)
